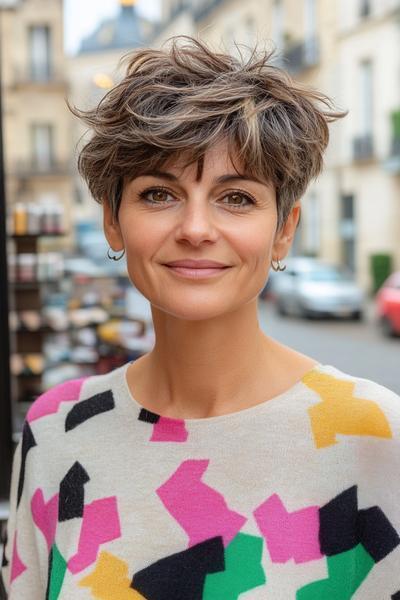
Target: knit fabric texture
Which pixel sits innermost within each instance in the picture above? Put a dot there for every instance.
(297, 497)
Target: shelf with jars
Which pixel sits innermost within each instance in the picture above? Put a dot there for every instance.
(31, 272)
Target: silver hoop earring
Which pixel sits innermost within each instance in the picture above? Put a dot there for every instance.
(279, 266)
(115, 257)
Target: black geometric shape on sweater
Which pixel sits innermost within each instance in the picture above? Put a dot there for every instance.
(28, 441)
(181, 576)
(3, 593)
(4, 539)
(72, 494)
(338, 523)
(86, 409)
(148, 417)
(49, 567)
(395, 596)
(376, 533)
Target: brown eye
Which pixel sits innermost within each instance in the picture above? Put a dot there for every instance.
(158, 195)
(238, 200)
(155, 195)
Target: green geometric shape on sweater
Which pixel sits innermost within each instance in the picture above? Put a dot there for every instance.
(58, 568)
(243, 570)
(347, 571)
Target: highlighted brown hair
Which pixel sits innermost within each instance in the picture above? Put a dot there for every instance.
(180, 100)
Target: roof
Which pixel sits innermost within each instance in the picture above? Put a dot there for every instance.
(123, 31)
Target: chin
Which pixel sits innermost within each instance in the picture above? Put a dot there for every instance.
(195, 310)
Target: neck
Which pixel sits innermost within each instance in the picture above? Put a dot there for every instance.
(206, 368)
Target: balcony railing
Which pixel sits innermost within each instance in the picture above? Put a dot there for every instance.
(301, 56)
(392, 163)
(25, 169)
(26, 76)
(363, 147)
(204, 8)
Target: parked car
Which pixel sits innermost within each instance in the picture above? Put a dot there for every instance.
(388, 305)
(268, 290)
(309, 287)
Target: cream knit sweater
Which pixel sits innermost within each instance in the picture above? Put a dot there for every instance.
(297, 497)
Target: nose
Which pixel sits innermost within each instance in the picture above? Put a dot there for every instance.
(196, 222)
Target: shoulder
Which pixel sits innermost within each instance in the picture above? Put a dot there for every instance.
(72, 401)
(346, 403)
(333, 383)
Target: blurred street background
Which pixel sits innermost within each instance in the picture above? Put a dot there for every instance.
(72, 311)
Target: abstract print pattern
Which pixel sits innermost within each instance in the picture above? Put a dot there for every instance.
(224, 562)
(228, 552)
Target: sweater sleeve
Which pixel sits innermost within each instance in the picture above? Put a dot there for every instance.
(22, 569)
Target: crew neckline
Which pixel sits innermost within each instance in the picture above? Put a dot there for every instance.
(251, 411)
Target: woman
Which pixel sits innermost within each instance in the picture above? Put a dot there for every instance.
(222, 464)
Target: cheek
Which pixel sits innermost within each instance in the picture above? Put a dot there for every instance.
(142, 237)
(255, 243)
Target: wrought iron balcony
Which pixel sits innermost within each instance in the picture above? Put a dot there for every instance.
(22, 77)
(27, 169)
(363, 147)
(303, 55)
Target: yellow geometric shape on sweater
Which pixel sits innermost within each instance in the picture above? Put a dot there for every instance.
(342, 412)
(110, 580)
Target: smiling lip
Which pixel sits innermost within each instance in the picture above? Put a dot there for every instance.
(202, 273)
(196, 264)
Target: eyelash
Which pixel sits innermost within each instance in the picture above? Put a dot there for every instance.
(144, 193)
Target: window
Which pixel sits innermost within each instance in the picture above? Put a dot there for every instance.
(277, 23)
(310, 18)
(364, 8)
(365, 98)
(39, 52)
(312, 224)
(42, 146)
(347, 230)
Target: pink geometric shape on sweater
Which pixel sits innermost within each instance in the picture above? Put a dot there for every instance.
(289, 535)
(45, 515)
(17, 566)
(169, 430)
(199, 509)
(100, 524)
(48, 402)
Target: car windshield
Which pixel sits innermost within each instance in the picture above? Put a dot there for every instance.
(328, 275)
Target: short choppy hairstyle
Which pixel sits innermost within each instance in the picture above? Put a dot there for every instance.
(180, 100)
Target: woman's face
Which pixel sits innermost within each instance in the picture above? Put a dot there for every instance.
(169, 216)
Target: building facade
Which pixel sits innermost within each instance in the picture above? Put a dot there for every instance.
(92, 71)
(37, 139)
(348, 50)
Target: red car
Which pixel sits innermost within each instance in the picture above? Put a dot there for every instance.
(388, 305)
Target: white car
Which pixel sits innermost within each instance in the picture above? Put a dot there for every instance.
(309, 287)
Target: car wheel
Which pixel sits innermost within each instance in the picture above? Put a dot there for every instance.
(306, 313)
(280, 307)
(358, 315)
(386, 327)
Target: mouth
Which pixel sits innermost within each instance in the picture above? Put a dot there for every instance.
(197, 272)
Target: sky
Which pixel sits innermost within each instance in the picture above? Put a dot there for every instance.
(82, 16)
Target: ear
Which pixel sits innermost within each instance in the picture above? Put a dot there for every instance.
(284, 237)
(112, 229)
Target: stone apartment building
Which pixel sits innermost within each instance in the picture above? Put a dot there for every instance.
(350, 50)
(91, 72)
(347, 49)
(36, 121)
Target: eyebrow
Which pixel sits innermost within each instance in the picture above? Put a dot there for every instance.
(221, 179)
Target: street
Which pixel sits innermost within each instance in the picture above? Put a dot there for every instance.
(357, 348)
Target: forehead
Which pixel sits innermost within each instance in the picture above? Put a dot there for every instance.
(220, 158)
